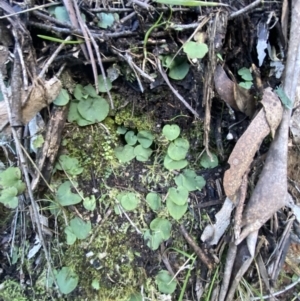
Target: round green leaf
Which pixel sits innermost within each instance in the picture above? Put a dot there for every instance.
(124, 153)
(153, 240)
(67, 280)
(69, 165)
(96, 284)
(145, 138)
(61, 14)
(129, 201)
(65, 196)
(179, 72)
(8, 197)
(79, 92)
(80, 228)
(131, 138)
(176, 211)
(102, 86)
(178, 196)
(135, 297)
(142, 154)
(89, 203)
(178, 149)
(71, 237)
(246, 85)
(162, 226)
(62, 98)
(245, 74)
(190, 180)
(206, 162)
(90, 90)
(121, 130)
(105, 20)
(153, 199)
(171, 131)
(171, 164)
(11, 177)
(93, 109)
(165, 282)
(195, 50)
(74, 115)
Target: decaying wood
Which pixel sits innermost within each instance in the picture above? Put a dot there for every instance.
(47, 154)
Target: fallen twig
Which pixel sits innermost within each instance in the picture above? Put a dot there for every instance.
(245, 9)
(52, 57)
(202, 256)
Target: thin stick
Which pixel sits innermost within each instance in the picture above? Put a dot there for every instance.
(202, 256)
(101, 65)
(277, 293)
(88, 44)
(52, 58)
(29, 9)
(245, 9)
(17, 45)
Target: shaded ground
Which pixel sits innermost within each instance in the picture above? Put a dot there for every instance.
(116, 260)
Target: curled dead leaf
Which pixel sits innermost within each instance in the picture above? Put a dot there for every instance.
(40, 96)
(224, 86)
(233, 94)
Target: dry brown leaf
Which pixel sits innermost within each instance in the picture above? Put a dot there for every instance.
(244, 100)
(224, 87)
(234, 95)
(248, 144)
(39, 97)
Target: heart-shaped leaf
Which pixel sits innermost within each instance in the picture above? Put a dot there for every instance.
(65, 196)
(171, 131)
(171, 164)
(80, 228)
(102, 86)
(131, 138)
(178, 149)
(67, 280)
(190, 180)
(178, 196)
(142, 154)
(207, 162)
(124, 153)
(93, 109)
(195, 50)
(165, 282)
(163, 226)
(129, 201)
(62, 98)
(145, 138)
(176, 211)
(154, 200)
(9, 198)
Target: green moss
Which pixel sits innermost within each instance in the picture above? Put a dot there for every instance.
(131, 121)
(111, 261)
(93, 146)
(12, 291)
